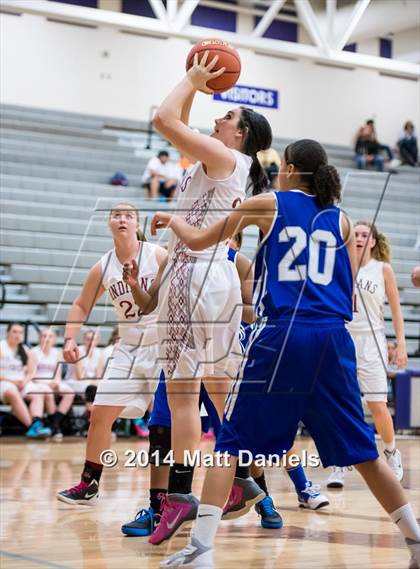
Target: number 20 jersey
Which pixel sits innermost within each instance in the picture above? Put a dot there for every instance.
(132, 328)
(302, 268)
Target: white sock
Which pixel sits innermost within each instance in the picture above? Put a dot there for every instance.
(406, 521)
(389, 446)
(206, 524)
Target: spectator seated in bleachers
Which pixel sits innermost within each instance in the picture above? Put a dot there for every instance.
(367, 149)
(407, 145)
(48, 371)
(16, 386)
(107, 351)
(88, 370)
(161, 176)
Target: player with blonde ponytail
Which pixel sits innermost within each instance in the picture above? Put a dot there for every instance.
(375, 283)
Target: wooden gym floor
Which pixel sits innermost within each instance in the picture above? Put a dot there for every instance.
(38, 531)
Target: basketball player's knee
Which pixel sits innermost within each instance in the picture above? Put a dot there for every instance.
(11, 396)
(178, 402)
(366, 466)
(100, 418)
(159, 444)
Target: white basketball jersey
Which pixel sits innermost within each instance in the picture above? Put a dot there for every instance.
(368, 304)
(203, 201)
(11, 366)
(132, 328)
(46, 364)
(107, 352)
(89, 363)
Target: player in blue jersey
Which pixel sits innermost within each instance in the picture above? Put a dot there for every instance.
(301, 362)
(160, 437)
(308, 493)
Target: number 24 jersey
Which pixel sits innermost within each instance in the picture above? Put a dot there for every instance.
(132, 326)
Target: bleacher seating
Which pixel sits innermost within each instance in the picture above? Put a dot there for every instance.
(55, 193)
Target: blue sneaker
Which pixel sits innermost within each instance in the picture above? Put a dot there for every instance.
(38, 431)
(311, 497)
(270, 518)
(143, 524)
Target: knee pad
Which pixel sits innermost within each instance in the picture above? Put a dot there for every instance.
(159, 444)
(90, 393)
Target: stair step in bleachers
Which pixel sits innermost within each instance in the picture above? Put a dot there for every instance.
(48, 275)
(53, 149)
(40, 137)
(130, 165)
(66, 186)
(61, 173)
(45, 240)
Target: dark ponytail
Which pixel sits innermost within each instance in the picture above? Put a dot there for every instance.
(327, 185)
(259, 179)
(21, 352)
(258, 137)
(310, 158)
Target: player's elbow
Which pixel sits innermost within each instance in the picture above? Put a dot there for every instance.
(160, 120)
(194, 243)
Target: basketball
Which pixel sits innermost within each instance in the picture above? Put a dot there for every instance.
(228, 57)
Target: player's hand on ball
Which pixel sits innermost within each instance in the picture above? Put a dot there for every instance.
(401, 358)
(70, 351)
(161, 220)
(200, 73)
(131, 273)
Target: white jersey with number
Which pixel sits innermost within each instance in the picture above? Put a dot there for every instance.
(46, 364)
(132, 328)
(11, 366)
(203, 201)
(368, 306)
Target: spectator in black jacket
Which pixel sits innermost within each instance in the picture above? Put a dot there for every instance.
(407, 145)
(367, 149)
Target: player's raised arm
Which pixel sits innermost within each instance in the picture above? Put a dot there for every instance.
(258, 210)
(146, 300)
(172, 114)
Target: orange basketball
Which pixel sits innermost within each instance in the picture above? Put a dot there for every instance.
(228, 57)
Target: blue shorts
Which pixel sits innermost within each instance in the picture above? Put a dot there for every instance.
(161, 414)
(306, 373)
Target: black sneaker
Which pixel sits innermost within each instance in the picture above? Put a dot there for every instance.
(143, 524)
(83, 493)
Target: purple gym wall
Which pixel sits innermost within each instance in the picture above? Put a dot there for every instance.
(385, 47)
(85, 3)
(214, 18)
